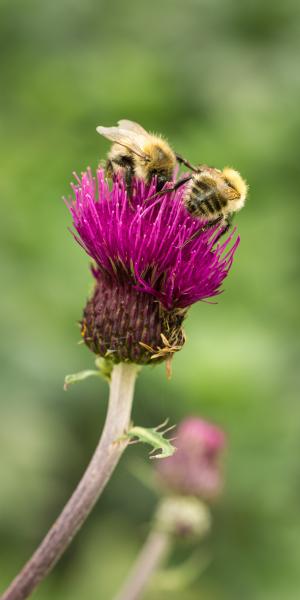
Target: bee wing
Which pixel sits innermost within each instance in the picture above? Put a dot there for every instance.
(133, 126)
(124, 137)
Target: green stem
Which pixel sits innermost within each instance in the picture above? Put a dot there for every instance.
(150, 559)
(98, 472)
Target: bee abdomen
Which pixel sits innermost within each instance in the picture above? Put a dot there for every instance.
(194, 207)
(203, 200)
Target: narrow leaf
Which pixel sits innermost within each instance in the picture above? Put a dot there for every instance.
(75, 377)
(161, 446)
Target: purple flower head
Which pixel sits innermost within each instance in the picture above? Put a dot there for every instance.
(146, 251)
(149, 243)
(194, 469)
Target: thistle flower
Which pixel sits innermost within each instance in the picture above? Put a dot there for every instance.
(194, 469)
(151, 262)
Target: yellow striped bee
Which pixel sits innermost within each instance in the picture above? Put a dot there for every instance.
(137, 153)
(211, 194)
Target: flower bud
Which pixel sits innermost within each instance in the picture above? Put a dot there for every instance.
(183, 516)
(194, 469)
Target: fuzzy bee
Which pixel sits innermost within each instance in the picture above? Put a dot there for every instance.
(137, 153)
(212, 195)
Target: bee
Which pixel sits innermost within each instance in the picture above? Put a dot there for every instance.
(137, 153)
(212, 195)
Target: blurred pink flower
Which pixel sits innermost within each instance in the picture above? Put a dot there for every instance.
(195, 468)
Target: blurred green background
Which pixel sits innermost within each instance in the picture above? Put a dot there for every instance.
(221, 80)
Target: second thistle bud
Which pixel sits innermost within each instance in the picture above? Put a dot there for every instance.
(195, 468)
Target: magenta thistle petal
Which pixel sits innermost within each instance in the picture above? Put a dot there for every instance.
(156, 246)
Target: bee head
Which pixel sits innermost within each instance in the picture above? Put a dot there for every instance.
(162, 176)
(234, 179)
(161, 162)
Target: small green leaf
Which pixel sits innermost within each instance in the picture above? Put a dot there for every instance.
(75, 377)
(104, 369)
(162, 446)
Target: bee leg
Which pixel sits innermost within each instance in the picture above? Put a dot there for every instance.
(109, 170)
(128, 179)
(208, 225)
(126, 165)
(175, 187)
(128, 182)
(185, 162)
(211, 224)
(179, 184)
(227, 225)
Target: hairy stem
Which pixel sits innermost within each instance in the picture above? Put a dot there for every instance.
(98, 472)
(151, 557)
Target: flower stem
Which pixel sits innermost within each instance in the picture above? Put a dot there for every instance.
(152, 555)
(98, 472)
